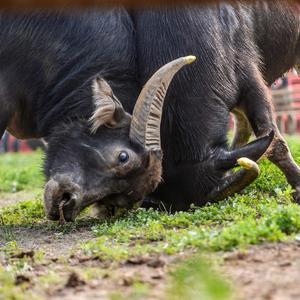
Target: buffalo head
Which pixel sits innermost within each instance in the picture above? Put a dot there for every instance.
(113, 159)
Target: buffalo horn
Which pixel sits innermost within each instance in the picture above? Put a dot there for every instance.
(244, 157)
(236, 182)
(253, 151)
(146, 118)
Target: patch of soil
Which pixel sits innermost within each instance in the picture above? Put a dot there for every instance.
(121, 280)
(53, 244)
(266, 272)
(59, 258)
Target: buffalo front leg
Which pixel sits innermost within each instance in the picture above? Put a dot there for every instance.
(258, 108)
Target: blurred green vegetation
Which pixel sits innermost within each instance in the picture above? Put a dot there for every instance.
(195, 280)
(21, 171)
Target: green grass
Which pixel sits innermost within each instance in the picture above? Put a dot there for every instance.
(8, 290)
(238, 222)
(20, 172)
(25, 212)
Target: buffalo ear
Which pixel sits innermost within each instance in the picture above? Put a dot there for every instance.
(108, 109)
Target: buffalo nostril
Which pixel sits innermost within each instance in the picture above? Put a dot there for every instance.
(66, 197)
(61, 197)
(66, 207)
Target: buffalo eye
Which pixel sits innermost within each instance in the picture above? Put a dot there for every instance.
(123, 157)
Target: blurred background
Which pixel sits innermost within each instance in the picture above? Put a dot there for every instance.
(286, 99)
(9, 143)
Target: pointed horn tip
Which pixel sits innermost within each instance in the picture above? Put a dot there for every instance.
(189, 59)
(247, 164)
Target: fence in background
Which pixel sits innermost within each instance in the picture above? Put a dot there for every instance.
(286, 99)
(9, 143)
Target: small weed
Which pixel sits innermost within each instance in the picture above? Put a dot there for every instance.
(195, 280)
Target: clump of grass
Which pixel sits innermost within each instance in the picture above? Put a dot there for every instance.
(26, 212)
(271, 179)
(9, 248)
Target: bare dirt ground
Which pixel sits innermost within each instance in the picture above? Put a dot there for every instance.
(266, 272)
(122, 280)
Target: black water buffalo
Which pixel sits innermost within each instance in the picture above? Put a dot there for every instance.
(74, 77)
(241, 49)
(61, 77)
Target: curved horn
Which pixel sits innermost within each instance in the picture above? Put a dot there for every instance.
(253, 151)
(146, 118)
(236, 182)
